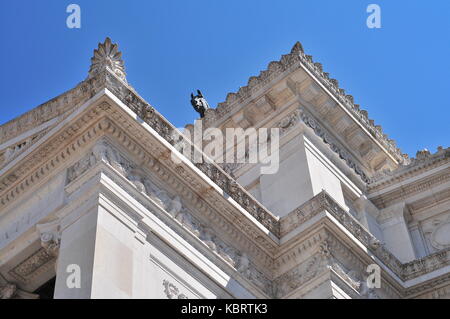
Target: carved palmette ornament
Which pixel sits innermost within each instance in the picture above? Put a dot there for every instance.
(107, 55)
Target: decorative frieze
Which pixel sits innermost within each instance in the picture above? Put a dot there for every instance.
(323, 202)
(228, 218)
(33, 266)
(302, 214)
(241, 196)
(44, 161)
(427, 287)
(426, 265)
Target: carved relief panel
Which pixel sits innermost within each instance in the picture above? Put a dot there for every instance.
(436, 231)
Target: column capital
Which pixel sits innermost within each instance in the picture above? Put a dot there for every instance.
(50, 235)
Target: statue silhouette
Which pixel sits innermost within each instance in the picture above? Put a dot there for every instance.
(199, 103)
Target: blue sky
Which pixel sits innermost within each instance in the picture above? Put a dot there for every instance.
(399, 73)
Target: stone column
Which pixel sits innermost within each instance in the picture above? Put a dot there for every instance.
(397, 238)
(100, 247)
(77, 250)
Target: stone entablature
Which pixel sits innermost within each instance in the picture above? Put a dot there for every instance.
(165, 129)
(323, 202)
(411, 184)
(107, 126)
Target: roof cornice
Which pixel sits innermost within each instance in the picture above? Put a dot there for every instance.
(289, 62)
(423, 162)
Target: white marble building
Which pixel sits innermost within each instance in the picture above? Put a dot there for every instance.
(88, 188)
